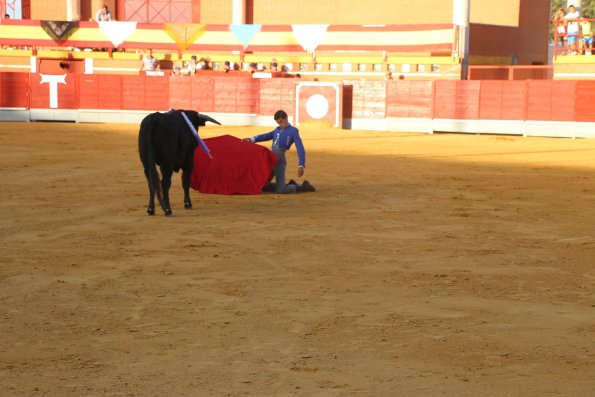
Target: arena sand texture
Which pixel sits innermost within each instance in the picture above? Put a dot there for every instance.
(424, 265)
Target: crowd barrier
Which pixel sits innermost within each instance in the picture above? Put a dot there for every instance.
(531, 107)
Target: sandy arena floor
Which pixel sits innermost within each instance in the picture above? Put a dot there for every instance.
(424, 265)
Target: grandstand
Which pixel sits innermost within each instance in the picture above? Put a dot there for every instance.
(408, 76)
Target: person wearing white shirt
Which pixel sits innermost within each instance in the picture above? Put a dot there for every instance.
(572, 29)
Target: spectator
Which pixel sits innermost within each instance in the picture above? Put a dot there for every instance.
(150, 63)
(253, 67)
(274, 66)
(572, 29)
(560, 24)
(192, 65)
(227, 67)
(587, 36)
(177, 71)
(205, 64)
(103, 15)
(283, 137)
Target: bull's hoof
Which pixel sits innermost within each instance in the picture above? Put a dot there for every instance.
(150, 211)
(168, 212)
(187, 205)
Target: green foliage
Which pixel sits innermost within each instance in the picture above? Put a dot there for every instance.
(587, 7)
(587, 10)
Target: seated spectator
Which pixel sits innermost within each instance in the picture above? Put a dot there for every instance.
(207, 64)
(103, 15)
(192, 65)
(227, 67)
(177, 71)
(253, 67)
(274, 66)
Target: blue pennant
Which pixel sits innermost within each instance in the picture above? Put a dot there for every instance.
(245, 32)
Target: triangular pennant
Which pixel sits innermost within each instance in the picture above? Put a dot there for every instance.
(117, 32)
(245, 32)
(184, 34)
(309, 36)
(59, 30)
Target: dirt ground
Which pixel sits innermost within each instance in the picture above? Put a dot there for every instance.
(424, 265)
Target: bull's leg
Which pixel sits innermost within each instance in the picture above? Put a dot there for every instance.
(151, 207)
(166, 184)
(186, 173)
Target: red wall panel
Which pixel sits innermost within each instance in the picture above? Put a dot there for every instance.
(203, 94)
(409, 99)
(550, 100)
(502, 100)
(247, 95)
(133, 93)
(180, 92)
(585, 101)
(15, 90)
(110, 91)
(88, 95)
(276, 94)
(514, 100)
(236, 94)
(66, 92)
(157, 93)
(456, 99)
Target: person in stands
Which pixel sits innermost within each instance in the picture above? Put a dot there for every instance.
(560, 24)
(573, 30)
(103, 15)
(150, 63)
(587, 36)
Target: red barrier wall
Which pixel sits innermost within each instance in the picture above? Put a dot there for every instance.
(542, 100)
(502, 100)
(456, 99)
(14, 90)
(409, 99)
(584, 107)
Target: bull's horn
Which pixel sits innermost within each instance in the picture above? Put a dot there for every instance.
(208, 118)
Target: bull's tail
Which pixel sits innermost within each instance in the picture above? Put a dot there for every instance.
(147, 156)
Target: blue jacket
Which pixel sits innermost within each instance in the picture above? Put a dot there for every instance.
(284, 138)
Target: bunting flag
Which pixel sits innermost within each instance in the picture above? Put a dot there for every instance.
(184, 34)
(117, 32)
(59, 30)
(245, 32)
(309, 36)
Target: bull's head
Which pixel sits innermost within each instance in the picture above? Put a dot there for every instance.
(199, 120)
(204, 118)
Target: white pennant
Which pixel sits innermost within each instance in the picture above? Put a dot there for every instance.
(309, 36)
(117, 32)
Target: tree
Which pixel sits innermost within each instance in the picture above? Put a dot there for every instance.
(587, 10)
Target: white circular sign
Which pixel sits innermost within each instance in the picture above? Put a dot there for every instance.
(317, 106)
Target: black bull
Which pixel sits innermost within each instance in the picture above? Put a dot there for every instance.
(165, 139)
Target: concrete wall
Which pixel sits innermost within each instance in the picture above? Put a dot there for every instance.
(526, 44)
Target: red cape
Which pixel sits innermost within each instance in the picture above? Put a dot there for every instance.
(237, 167)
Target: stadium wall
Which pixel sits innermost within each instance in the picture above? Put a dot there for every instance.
(540, 108)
